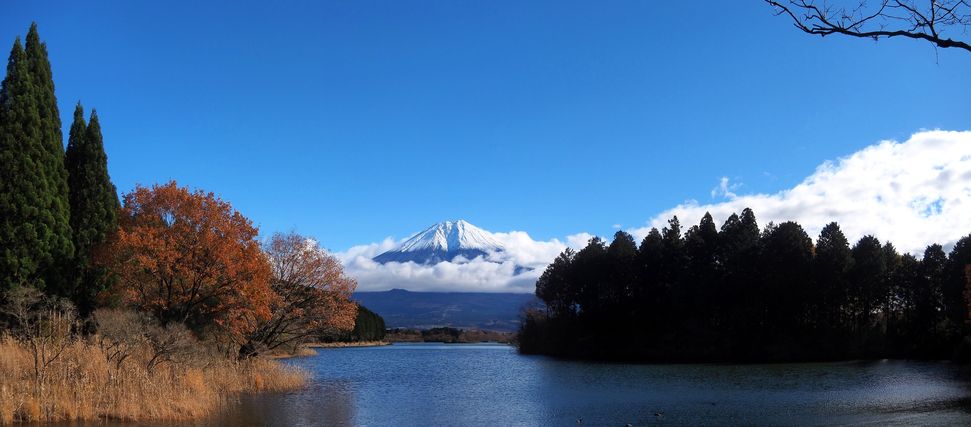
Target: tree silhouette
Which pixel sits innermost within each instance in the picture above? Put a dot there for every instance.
(933, 21)
(738, 294)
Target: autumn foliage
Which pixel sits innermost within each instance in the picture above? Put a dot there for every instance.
(312, 295)
(189, 257)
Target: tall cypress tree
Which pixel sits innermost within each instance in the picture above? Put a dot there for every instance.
(35, 233)
(50, 159)
(23, 220)
(93, 199)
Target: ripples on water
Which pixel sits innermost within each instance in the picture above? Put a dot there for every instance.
(475, 385)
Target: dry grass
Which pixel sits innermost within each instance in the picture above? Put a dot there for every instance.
(300, 351)
(81, 384)
(348, 344)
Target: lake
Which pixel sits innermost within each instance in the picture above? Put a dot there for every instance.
(486, 384)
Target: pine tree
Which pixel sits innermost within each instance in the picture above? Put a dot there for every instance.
(93, 200)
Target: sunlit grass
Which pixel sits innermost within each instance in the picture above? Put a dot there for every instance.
(80, 384)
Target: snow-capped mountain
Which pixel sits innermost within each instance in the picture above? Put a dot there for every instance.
(444, 242)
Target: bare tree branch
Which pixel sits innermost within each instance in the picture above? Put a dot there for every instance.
(928, 20)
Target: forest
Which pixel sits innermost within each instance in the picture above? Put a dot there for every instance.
(741, 293)
(168, 295)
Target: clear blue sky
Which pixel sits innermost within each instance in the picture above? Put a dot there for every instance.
(352, 121)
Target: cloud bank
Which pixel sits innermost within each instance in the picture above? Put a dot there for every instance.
(501, 272)
(910, 193)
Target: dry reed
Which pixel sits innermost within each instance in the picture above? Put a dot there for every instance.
(82, 384)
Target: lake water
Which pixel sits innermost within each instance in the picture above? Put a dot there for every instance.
(492, 385)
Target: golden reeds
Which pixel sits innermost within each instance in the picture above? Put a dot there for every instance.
(82, 384)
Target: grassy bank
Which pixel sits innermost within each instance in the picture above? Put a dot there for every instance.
(82, 380)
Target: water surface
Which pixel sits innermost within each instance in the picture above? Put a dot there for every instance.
(484, 384)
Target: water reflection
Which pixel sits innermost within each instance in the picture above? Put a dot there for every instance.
(322, 403)
(457, 385)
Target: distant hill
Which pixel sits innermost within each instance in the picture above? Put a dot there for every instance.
(467, 310)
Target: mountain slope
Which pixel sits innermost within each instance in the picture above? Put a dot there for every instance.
(444, 241)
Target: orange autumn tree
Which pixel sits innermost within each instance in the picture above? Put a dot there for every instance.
(313, 295)
(189, 257)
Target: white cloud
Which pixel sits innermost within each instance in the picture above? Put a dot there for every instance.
(912, 194)
(579, 240)
(725, 188)
(501, 272)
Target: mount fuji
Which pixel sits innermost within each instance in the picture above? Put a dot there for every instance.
(461, 243)
(442, 242)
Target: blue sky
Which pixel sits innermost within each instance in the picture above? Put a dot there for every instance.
(354, 121)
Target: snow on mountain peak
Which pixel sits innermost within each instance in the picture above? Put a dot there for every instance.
(451, 236)
(443, 242)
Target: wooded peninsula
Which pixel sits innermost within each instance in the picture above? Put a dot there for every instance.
(745, 294)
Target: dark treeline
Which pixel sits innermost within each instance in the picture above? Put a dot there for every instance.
(449, 335)
(368, 326)
(741, 294)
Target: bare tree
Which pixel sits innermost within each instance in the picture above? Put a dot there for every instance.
(312, 296)
(934, 21)
(172, 343)
(45, 324)
(120, 332)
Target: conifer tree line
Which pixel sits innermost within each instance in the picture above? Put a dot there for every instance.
(739, 293)
(55, 206)
(368, 326)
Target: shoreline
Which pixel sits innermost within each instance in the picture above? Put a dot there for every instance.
(348, 344)
(308, 350)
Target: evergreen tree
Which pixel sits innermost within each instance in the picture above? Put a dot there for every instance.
(649, 295)
(35, 234)
(929, 294)
(955, 284)
(587, 277)
(621, 281)
(830, 269)
(888, 294)
(621, 252)
(51, 161)
(24, 225)
(553, 286)
(94, 201)
(781, 297)
(368, 326)
(672, 254)
(866, 282)
(738, 247)
(904, 282)
(787, 255)
(699, 290)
